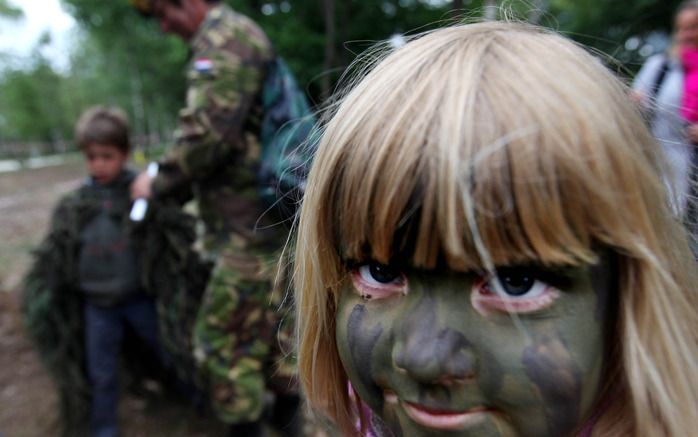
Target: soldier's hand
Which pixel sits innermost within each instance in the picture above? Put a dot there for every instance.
(141, 186)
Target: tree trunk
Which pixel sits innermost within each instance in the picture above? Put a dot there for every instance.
(491, 7)
(458, 6)
(330, 52)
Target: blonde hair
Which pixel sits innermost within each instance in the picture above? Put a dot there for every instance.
(496, 144)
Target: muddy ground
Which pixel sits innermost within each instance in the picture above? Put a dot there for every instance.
(28, 406)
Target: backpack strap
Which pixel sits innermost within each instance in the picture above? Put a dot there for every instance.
(659, 78)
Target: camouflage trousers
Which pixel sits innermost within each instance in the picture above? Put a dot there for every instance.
(243, 334)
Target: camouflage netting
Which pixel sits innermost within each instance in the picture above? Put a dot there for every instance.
(52, 307)
(177, 276)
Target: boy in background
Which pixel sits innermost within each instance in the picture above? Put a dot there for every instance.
(89, 262)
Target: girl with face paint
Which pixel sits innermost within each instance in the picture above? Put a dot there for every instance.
(485, 248)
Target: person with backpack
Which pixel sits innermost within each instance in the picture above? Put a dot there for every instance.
(240, 343)
(665, 88)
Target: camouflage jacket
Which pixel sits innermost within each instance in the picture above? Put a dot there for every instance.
(52, 304)
(217, 148)
(70, 217)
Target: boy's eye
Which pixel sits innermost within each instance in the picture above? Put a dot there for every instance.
(374, 280)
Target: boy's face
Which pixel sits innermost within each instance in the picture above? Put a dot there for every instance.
(104, 162)
(440, 351)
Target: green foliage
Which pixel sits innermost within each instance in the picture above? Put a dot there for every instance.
(299, 32)
(125, 61)
(9, 11)
(32, 103)
(607, 24)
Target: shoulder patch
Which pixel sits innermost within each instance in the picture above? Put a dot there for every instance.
(203, 65)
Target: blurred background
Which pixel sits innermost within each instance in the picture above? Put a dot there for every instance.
(101, 51)
(58, 57)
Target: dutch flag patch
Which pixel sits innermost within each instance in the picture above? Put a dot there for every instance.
(203, 65)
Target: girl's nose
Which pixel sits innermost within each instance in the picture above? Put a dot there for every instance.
(431, 353)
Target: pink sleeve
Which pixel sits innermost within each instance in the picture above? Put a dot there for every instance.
(689, 104)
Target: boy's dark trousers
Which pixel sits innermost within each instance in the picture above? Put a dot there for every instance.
(104, 333)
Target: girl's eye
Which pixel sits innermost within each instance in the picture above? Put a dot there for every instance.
(379, 273)
(513, 289)
(517, 282)
(377, 281)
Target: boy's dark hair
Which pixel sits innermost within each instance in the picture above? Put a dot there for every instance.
(103, 125)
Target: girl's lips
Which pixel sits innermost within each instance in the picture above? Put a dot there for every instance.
(445, 420)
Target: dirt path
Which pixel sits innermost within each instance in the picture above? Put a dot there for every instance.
(27, 394)
(26, 200)
(27, 399)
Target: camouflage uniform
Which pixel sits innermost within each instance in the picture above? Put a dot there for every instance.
(217, 155)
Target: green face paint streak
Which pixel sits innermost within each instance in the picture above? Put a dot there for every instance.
(362, 340)
(550, 367)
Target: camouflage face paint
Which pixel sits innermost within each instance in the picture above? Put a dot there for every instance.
(437, 351)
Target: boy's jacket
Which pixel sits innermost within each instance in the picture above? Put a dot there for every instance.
(170, 270)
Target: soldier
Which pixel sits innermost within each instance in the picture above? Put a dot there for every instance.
(215, 157)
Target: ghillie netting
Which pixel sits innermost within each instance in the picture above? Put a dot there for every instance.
(52, 306)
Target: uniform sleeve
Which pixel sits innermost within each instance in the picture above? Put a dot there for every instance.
(645, 78)
(222, 87)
